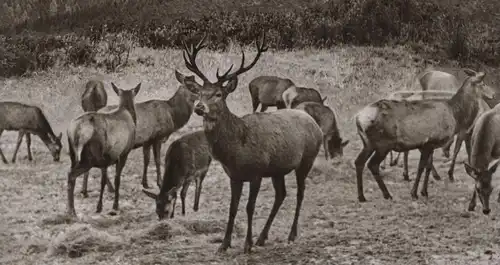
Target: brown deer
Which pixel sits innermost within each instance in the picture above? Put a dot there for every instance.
(294, 95)
(156, 121)
(187, 159)
(101, 139)
(401, 126)
(484, 157)
(327, 121)
(26, 119)
(94, 97)
(267, 90)
(254, 146)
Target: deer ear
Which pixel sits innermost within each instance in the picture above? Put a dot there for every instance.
(115, 88)
(137, 88)
(187, 81)
(150, 194)
(231, 85)
(470, 170)
(469, 72)
(493, 167)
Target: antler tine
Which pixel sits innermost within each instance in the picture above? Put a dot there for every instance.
(260, 49)
(190, 59)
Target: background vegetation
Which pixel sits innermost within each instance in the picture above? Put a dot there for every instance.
(39, 34)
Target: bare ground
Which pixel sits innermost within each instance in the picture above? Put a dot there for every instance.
(333, 229)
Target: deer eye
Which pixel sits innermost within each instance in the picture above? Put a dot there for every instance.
(218, 94)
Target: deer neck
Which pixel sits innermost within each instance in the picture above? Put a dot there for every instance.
(47, 138)
(182, 105)
(130, 107)
(464, 106)
(224, 133)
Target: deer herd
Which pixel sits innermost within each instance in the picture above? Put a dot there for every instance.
(266, 144)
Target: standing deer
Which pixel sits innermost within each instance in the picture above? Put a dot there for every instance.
(267, 90)
(94, 97)
(26, 119)
(156, 121)
(101, 139)
(326, 119)
(187, 159)
(294, 95)
(484, 157)
(387, 125)
(254, 146)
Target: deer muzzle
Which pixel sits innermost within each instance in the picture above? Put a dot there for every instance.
(200, 108)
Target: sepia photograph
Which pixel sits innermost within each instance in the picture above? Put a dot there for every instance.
(281, 132)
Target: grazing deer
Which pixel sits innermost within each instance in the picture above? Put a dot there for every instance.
(294, 95)
(94, 97)
(254, 146)
(101, 139)
(26, 119)
(187, 159)
(327, 121)
(484, 157)
(267, 90)
(156, 121)
(387, 125)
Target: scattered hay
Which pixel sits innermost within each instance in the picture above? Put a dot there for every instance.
(79, 239)
(164, 230)
(57, 220)
(210, 226)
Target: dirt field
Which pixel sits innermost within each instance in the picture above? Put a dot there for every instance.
(333, 229)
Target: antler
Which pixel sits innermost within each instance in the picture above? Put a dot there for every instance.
(260, 49)
(190, 60)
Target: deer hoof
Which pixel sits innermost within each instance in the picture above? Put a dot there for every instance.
(84, 194)
(471, 207)
(388, 197)
(223, 247)
(99, 209)
(414, 195)
(424, 193)
(261, 241)
(248, 248)
(362, 198)
(145, 185)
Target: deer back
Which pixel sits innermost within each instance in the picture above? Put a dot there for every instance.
(438, 80)
(322, 114)
(485, 139)
(94, 96)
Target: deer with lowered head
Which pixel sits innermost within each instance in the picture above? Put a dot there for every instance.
(187, 159)
(101, 139)
(26, 119)
(387, 125)
(255, 145)
(267, 90)
(327, 121)
(484, 157)
(294, 95)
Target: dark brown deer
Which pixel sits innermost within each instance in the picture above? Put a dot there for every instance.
(294, 95)
(26, 119)
(267, 90)
(94, 97)
(101, 139)
(254, 146)
(484, 157)
(406, 125)
(327, 121)
(187, 159)
(156, 121)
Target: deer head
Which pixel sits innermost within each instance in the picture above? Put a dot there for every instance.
(164, 203)
(482, 186)
(212, 95)
(478, 85)
(55, 146)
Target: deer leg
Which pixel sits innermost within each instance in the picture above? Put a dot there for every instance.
(374, 165)
(279, 197)
(360, 165)
(28, 146)
(72, 175)
(110, 185)
(300, 176)
(396, 160)
(84, 190)
(422, 164)
(199, 184)
(458, 145)
(428, 168)
(406, 175)
(146, 154)
(236, 187)
(263, 107)
(255, 103)
(157, 157)
(325, 147)
(184, 190)
(468, 146)
(104, 177)
(1, 152)
(119, 167)
(472, 203)
(18, 143)
(252, 198)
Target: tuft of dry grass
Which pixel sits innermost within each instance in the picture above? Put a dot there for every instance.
(79, 239)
